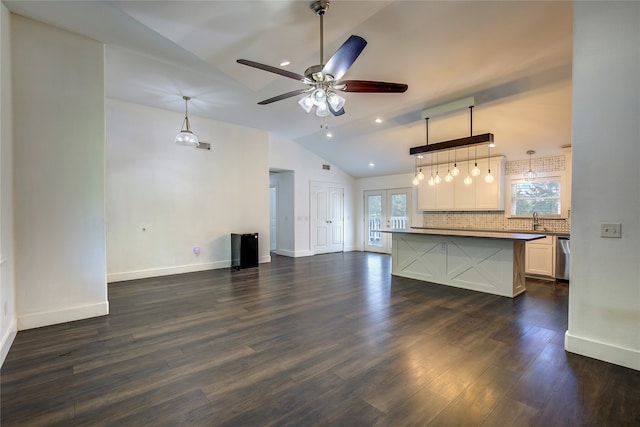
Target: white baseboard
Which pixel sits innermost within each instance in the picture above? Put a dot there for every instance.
(166, 271)
(7, 340)
(264, 259)
(293, 254)
(352, 249)
(46, 318)
(602, 351)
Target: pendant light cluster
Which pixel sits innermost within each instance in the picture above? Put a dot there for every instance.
(454, 145)
(186, 136)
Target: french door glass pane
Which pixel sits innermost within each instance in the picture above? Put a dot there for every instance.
(374, 204)
(398, 211)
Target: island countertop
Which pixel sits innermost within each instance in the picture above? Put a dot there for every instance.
(526, 237)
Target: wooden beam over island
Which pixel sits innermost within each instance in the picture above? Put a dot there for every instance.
(485, 261)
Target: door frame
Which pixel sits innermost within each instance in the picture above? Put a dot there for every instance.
(385, 220)
(313, 219)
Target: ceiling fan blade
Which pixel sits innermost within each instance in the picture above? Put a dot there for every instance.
(284, 96)
(334, 112)
(344, 57)
(271, 69)
(372, 87)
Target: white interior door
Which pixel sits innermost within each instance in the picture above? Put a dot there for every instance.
(327, 225)
(385, 210)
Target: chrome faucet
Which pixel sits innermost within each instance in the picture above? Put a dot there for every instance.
(536, 221)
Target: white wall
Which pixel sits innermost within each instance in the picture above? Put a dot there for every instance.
(604, 296)
(163, 199)
(385, 183)
(8, 323)
(288, 155)
(58, 129)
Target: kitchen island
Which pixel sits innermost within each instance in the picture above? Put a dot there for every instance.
(485, 261)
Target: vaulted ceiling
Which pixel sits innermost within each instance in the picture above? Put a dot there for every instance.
(514, 57)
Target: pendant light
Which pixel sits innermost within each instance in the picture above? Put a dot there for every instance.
(475, 171)
(489, 177)
(415, 180)
(448, 177)
(437, 179)
(455, 171)
(468, 180)
(186, 136)
(431, 181)
(530, 175)
(420, 174)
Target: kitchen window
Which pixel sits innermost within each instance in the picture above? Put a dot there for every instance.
(545, 195)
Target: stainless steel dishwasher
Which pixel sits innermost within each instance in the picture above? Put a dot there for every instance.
(563, 258)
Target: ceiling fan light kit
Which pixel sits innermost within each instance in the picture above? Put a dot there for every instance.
(324, 80)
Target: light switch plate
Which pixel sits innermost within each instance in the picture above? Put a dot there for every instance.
(610, 230)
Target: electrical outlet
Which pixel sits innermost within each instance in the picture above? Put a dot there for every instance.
(610, 230)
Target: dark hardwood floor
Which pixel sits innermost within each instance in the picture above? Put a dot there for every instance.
(325, 340)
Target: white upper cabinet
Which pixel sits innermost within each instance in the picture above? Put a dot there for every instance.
(457, 196)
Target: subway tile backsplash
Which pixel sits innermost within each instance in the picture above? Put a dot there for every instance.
(490, 221)
(496, 220)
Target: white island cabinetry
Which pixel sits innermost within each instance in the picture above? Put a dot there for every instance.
(490, 262)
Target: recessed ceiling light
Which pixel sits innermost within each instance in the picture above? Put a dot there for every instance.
(285, 63)
(378, 120)
(371, 164)
(329, 135)
(420, 156)
(493, 144)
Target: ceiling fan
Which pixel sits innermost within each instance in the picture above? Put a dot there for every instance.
(324, 80)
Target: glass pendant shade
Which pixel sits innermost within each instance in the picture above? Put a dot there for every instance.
(468, 180)
(437, 179)
(431, 181)
(322, 110)
(420, 175)
(530, 175)
(306, 103)
(455, 171)
(489, 177)
(475, 171)
(186, 136)
(448, 177)
(415, 181)
(319, 97)
(335, 100)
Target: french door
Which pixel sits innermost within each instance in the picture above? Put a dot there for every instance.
(385, 210)
(327, 218)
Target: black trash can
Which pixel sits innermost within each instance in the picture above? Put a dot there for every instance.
(244, 250)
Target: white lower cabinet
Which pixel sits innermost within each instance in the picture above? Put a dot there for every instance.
(540, 257)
